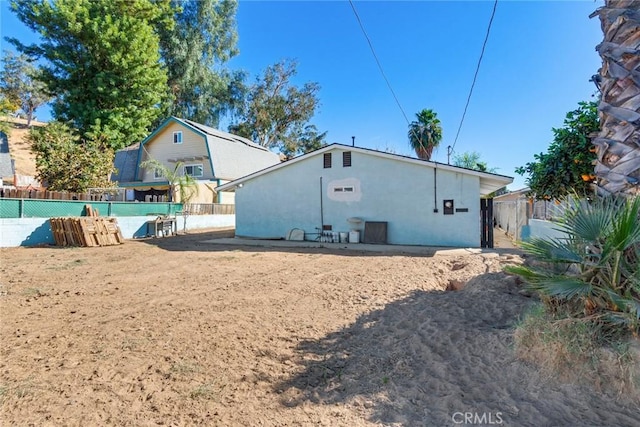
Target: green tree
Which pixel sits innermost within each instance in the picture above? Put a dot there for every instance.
(183, 185)
(425, 133)
(308, 139)
(195, 51)
(6, 108)
(471, 160)
(103, 62)
(276, 113)
(18, 83)
(618, 153)
(66, 162)
(566, 167)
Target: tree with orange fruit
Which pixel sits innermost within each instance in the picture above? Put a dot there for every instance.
(567, 166)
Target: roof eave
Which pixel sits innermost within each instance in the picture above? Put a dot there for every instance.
(488, 186)
(487, 180)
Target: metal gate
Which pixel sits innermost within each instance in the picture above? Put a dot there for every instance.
(486, 223)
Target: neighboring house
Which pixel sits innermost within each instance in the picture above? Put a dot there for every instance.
(210, 156)
(402, 200)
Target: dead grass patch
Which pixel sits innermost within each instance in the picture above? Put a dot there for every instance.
(574, 351)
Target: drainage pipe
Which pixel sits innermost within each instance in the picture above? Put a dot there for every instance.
(321, 208)
(435, 189)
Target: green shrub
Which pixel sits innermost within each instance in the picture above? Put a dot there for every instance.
(593, 273)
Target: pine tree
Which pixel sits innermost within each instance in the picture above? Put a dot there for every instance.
(195, 51)
(103, 63)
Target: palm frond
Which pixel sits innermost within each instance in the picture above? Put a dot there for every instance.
(563, 287)
(526, 273)
(633, 307)
(552, 250)
(625, 231)
(621, 303)
(588, 221)
(557, 286)
(620, 319)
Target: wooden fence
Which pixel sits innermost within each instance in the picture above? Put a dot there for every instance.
(208, 209)
(15, 193)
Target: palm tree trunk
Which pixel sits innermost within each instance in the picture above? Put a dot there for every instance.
(618, 143)
(424, 153)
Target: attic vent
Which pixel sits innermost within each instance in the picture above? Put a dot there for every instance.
(343, 190)
(327, 160)
(346, 159)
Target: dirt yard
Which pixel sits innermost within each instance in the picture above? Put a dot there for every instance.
(179, 332)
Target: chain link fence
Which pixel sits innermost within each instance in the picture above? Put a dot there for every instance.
(37, 208)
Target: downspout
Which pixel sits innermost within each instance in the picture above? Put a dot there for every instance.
(321, 207)
(435, 189)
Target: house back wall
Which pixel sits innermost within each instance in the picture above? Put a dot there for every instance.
(384, 189)
(162, 148)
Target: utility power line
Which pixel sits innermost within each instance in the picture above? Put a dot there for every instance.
(475, 76)
(353, 7)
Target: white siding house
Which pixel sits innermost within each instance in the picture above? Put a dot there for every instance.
(421, 202)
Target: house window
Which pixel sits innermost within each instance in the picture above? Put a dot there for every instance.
(346, 159)
(157, 174)
(327, 160)
(177, 137)
(193, 170)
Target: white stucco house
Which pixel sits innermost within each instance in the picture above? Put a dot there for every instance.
(400, 200)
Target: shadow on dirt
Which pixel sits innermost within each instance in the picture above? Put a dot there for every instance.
(426, 357)
(199, 241)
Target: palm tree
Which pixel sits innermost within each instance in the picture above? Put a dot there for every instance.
(618, 153)
(425, 133)
(594, 271)
(185, 184)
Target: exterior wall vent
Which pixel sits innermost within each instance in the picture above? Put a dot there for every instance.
(327, 160)
(346, 159)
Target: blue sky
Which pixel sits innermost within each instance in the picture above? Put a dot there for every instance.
(536, 67)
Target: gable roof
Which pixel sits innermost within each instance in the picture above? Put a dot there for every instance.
(125, 162)
(489, 182)
(231, 156)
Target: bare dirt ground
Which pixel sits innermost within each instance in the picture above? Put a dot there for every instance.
(178, 332)
(25, 160)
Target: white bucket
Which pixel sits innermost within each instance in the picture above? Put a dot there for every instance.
(354, 236)
(344, 236)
